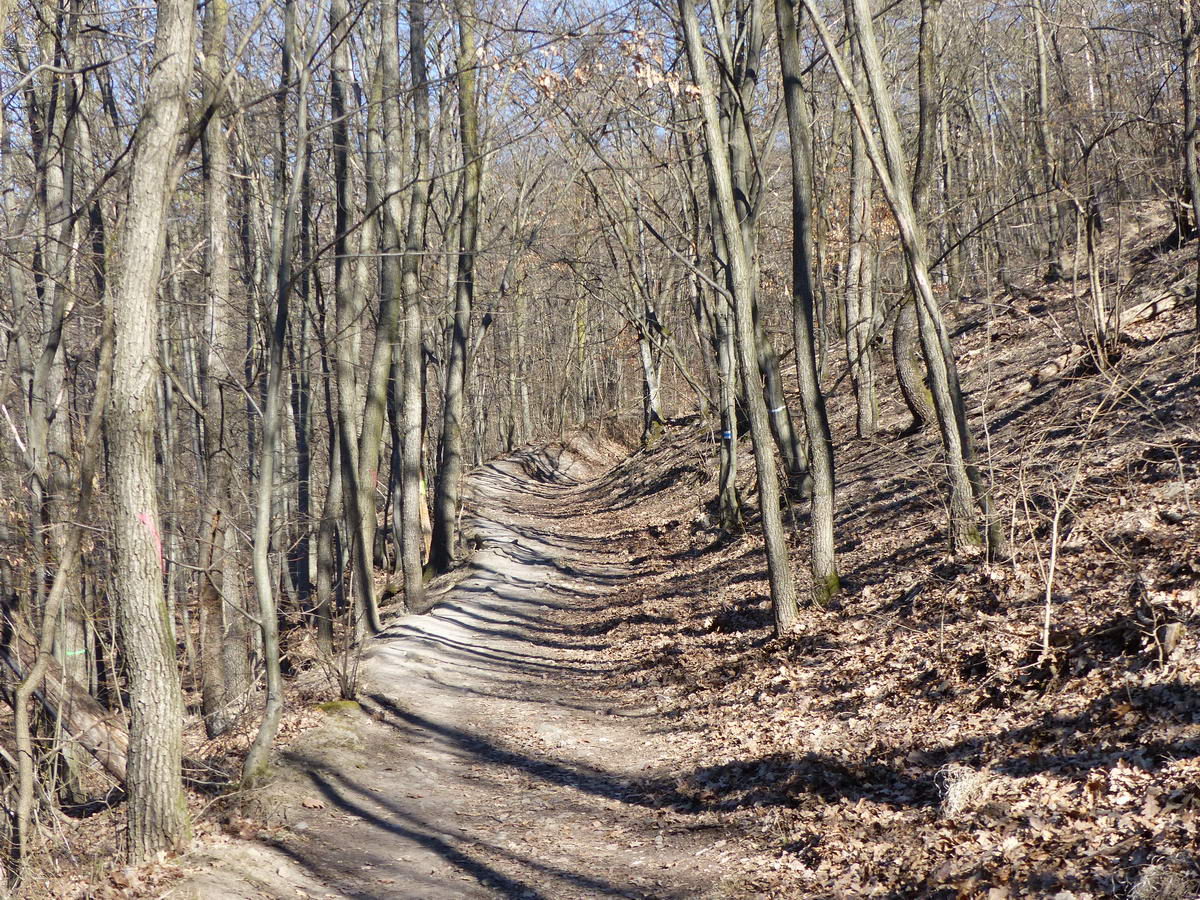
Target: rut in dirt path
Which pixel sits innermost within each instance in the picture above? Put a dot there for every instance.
(491, 766)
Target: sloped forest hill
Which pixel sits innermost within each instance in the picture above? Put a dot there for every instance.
(916, 739)
(946, 728)
(925, 735)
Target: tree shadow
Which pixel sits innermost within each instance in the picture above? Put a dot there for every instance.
(650, 792)
(466, 853)
(1066, 746)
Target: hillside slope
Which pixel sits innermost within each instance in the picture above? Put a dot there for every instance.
(916, 740)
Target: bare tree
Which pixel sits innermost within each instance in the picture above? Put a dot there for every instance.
(219, 615)
(413, 409)
(287, 198)
(964, 481)
(158, 816)
(825, 582)
(783, 586)
(450, 470)
(859, 289)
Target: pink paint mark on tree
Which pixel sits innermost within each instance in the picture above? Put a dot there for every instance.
(146, 520)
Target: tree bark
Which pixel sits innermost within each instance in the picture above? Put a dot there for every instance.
(825, 581)
(387, 336)
(340, 398)
(910, 368)
(412, 536)
(216, 378)
(157, 811)
(1051, 164)
(350, 284)
(783, 587)
(857, 290)
(729, 503)
(741, 58)
(450, 472)
(254, 768)
(964, 485)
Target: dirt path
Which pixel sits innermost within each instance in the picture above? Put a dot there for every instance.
(486, 766)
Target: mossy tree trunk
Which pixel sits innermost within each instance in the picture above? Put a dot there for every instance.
(825, 581)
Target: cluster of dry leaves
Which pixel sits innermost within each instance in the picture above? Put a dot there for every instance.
(950, 728)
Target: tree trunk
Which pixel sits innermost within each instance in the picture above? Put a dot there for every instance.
(216, 378)
(1051, 164)
(450, 471)
(53, 102)
(857, 291)
(299, 553)
(254, 767)
(412, 535)
(340, 399)
(825, 581)
(715, 309)
(328, 563)
(157, 810)
(387, 336)
(741, 57)
(910, 368)
(349, 296)
(729, 504)
(783, 588)
(352, 419)
(964, 486)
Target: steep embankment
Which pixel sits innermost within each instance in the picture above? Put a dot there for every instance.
(916, 740)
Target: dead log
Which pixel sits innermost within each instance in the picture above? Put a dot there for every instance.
(1132, 315)
(101, 732)
(1151, 309)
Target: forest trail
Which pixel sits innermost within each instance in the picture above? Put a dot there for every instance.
(487, 764)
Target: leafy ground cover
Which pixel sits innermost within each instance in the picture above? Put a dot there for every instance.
(951, 728)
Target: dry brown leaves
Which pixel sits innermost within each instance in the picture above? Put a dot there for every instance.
(919, 740)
